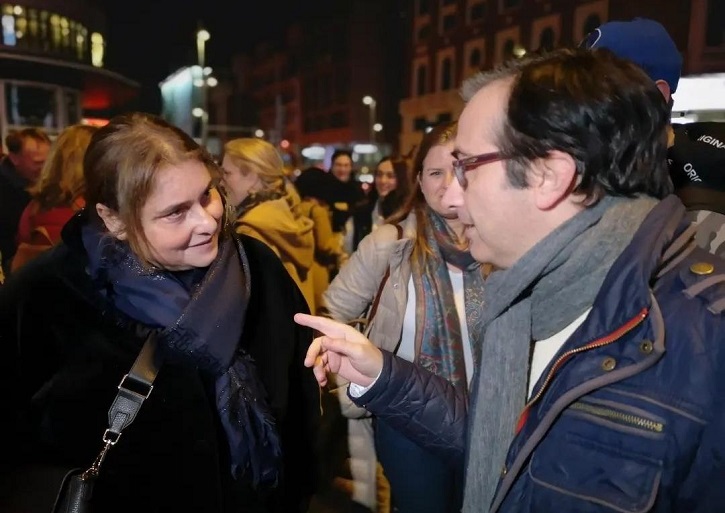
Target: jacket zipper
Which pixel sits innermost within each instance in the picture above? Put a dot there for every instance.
(618, 416)
(601, 342)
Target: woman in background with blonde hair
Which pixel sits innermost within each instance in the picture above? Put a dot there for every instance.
(57, 194)
(267, 207)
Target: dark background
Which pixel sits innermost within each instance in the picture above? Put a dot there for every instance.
(149, 39)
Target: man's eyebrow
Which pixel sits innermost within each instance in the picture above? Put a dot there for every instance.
(460, 153)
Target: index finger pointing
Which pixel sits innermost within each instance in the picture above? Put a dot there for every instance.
(323, 325)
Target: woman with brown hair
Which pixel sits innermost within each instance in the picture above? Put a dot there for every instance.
(229, 421)
(391, 187)
(427, 313)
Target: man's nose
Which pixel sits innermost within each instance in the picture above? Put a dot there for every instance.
(453, 196)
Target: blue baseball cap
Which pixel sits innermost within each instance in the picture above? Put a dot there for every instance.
(644, 42)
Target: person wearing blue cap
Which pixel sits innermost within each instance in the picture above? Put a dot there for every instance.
(696, 152)
(646, 43)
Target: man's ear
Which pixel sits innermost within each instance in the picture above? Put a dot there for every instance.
(552, 179)
(113, 223)
(664, 88)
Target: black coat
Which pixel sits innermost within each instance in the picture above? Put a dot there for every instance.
(13, 200)
(64, 353)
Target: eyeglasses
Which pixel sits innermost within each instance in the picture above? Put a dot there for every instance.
(462, 165)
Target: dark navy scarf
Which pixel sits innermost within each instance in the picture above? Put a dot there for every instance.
(200, 314)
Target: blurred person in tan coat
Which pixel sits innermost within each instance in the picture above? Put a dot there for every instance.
(267, 207)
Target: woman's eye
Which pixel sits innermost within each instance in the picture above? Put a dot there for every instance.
(176, 214)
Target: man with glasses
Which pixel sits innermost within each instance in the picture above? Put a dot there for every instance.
(697, 150)
(600, 382)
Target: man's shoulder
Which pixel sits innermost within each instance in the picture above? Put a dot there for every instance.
(710, 231)
(692, 298)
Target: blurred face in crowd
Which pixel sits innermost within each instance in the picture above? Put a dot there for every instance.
(29, 161)
(385, 179)
(342, 168)
(239, 180)
(182, 216)
(435, 178)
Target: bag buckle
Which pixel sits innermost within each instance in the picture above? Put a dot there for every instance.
(110, 438)
(136, 387)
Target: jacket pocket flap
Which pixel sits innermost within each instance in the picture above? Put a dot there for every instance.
(586, 476)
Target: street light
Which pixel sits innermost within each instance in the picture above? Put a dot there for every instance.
(371, 103)
(202, 36)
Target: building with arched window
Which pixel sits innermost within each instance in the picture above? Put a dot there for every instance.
(449, 40)
(52, 66)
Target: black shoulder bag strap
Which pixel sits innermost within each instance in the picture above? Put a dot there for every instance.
(362, 324)
(134, 388)
(376, 300)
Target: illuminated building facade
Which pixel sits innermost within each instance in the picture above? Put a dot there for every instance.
(449, 40)
(52, 70)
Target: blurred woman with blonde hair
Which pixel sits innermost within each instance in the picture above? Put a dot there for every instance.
(267, 207)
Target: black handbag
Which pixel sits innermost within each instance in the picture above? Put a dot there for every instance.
(56, 489)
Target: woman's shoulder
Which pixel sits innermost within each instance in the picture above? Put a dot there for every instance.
(392, 232)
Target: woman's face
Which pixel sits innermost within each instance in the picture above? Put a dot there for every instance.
(435, 177)
(181, 219)
(239, 181)
(385, 179)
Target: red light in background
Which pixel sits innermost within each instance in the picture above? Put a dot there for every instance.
(94, 121)
(284, 144)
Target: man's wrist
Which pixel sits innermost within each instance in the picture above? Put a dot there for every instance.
(358, 390)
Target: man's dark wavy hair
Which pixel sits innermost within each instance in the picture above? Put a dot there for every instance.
(603, 111)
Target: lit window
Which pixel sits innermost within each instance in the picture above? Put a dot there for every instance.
(33, 23)
(43, 23)
(21, 25)
(8, 23)
(97, 49)
(55, 29)
(80, 45)
(65, 32)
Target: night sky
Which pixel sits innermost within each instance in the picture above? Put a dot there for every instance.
(149, 39)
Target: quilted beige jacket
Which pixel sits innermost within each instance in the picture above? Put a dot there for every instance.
(348, 297)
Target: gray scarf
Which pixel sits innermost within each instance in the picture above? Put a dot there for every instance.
(541, 294)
